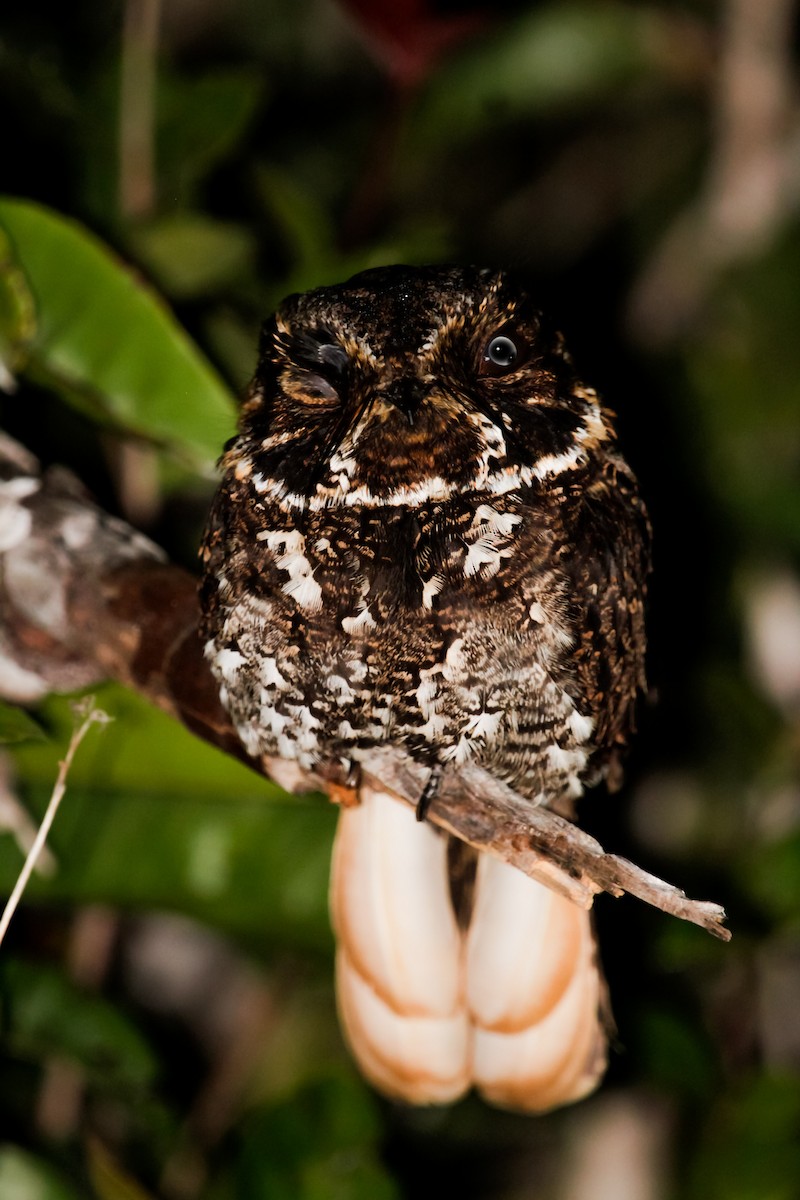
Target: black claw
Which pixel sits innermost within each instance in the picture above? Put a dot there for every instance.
(429, 792)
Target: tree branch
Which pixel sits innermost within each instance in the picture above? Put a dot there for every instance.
(85, 597)
(751, 184)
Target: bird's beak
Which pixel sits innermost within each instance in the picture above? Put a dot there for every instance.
(406, 394)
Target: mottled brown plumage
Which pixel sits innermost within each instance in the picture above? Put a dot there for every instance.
(425, 534)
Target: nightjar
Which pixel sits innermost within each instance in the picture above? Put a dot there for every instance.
(426, 536)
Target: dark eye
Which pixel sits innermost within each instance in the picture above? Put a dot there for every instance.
(318, 350)
(502, 354)
(318, 367)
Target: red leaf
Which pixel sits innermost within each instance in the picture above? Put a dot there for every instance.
(407, 37)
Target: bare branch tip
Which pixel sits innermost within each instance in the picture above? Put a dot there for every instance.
(87, 713)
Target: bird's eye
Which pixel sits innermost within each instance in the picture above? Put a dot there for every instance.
(501, 351)
(316, 369)
(318, 350)
(502, 354)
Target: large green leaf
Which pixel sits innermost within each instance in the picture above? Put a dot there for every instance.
(140, 749)
(153, 817)
(260, 869)
(101, 336)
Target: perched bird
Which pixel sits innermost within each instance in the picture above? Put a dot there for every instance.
(426, 536)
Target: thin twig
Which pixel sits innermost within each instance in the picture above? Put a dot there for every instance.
(14, 819)
(747, 192)
(87, 715)
(488, 815)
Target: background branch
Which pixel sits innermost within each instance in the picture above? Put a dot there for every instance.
(137, 186)
(748, 191)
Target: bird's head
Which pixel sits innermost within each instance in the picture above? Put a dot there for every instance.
(409, 385)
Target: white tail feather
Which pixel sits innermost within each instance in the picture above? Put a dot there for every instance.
(419, 1059)
(511, 1007)
(399, 966)
(534, 993)
(390, 905)
(522, 947)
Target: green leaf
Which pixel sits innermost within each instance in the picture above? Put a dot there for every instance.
(553, 56)
(44, 1015)
(23, 1177)
(16, 725)
(675, 1055)
(193, 255)
(104, 338)
(749, 1148)
(140, 749)
(318, 1145)
(200, 122)
(256, 868)
(17, 316)
(154, 817)
(770, 873)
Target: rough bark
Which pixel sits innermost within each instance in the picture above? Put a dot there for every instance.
(84, 597)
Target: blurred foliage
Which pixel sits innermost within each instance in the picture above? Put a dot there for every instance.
(288, 144)
(318, 1145)
(206, 836)
(152, 381)
(28, 1178)
(16, 725)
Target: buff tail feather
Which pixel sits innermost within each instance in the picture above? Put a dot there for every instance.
(512, 1005)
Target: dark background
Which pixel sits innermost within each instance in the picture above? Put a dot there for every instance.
(167, 1011)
